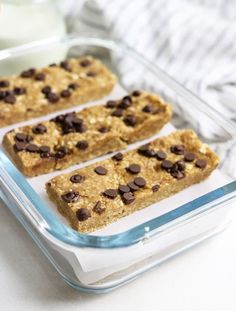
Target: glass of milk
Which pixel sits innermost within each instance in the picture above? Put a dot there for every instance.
(24, 21)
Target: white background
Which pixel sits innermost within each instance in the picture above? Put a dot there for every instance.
(201, 279)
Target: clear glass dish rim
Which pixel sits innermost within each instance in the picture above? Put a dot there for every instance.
(49, 224)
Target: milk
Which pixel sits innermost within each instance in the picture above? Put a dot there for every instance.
(24, 21)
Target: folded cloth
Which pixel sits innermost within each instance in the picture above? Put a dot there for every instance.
(192, 40)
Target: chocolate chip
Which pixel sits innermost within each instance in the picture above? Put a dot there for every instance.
(100, 170)
(136, 93)
(79, 127)
(128, 198)
(45, 155)
(19, 146)
(10, 99)
(189, 156)
(125, 102)
(52, 97)
(143, 149)
(118, 156)
(177, 170)
(19, 90)
(110, 193)
(85, 63)
(150, 153)
(177, 149)
(177, 174)
(132, 186)
(32, 148)
(98, 208)
(71, 117)
(46, 89)
(140, 182)
(117, 113)
(150, 109)
(82, 144)
(65, 93)
(123, 105)
(180, 165)
(58, 119)
(175, 167)
(61, 152)
(65, 65)
(123, 189)
(70, 123)
(133, 169)
(103, 129)
(70, 196)
(73, 86)
(4, 83)
(83, 214)
(155, 188)
(40, 76)
(201, 163)
(166, 165)
(44, 149)
(39, 129)
(9, 92)
(110, 104)
(67, 128)
(91, 74)
(77, 178)
(3, 94)
(22, 137)
(130, 120)
(28, 73)
(161, 155)
(53, 65)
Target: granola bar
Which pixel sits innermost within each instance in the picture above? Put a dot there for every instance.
(75, 137)
(99, 194)
(36, 92)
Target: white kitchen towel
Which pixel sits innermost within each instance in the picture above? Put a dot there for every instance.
(192, 40)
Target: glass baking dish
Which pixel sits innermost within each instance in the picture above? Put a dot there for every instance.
(184, 221)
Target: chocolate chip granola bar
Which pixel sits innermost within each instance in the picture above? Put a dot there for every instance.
(75, 137)
(100, 194)
(36, 92)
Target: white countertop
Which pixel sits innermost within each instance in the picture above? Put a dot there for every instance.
(201, 279)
